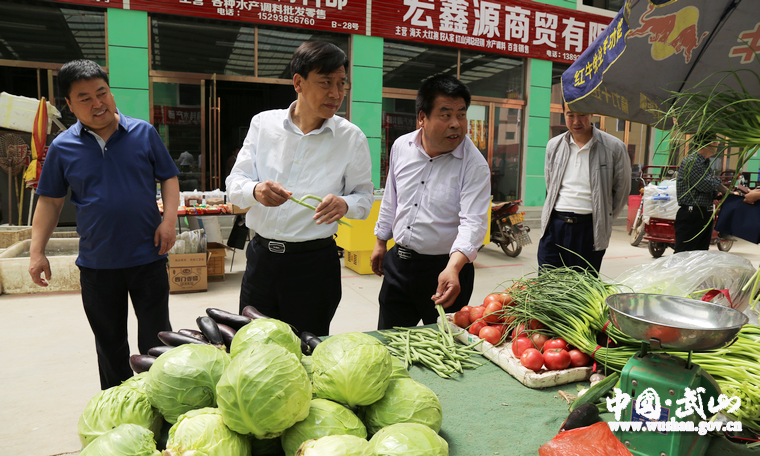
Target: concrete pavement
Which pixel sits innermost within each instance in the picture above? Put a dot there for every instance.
(48, 367)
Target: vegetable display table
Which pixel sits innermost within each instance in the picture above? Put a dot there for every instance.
(487, 412)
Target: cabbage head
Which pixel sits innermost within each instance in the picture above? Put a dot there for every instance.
(398, 369)
(336, 445)
(184, 379)
(351, 369)
(409, 439)
(264, 391)
(308, 364)
(266, 331)
(405, 401)
(325, 418)
(202, 432)
(124, 440)
(126, 403)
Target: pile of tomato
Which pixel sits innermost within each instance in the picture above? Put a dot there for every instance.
(535, 349)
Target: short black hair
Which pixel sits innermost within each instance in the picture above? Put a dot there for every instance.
(321, 56)
(441, 84)
(703, 138)
(76, 70)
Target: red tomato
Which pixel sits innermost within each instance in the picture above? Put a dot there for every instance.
(493, 297)
(532, 359)
(539, 340)
(476, 327)
(520, 330)
(493, 312)
(490, 334)
(476, 313)
(556, 343)
(556, 358)
(462, 319)
(465, 309)
(578, 358)
(521, 344)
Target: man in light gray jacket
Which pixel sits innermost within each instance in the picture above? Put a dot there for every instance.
(588, 180)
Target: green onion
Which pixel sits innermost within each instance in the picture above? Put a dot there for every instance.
(304, 204)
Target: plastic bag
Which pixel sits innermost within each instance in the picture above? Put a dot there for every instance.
(684, 273)
(190, 242)
(594, 440)
(660, 201)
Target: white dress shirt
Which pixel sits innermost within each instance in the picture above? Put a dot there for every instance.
(435, 206)
(575, 191)
(333, 159)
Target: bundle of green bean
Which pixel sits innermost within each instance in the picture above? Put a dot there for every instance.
(436, 350)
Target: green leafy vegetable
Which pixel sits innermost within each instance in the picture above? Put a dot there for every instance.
(409, 439)
(336, 445)
(325, 418)
(266, 331)
(202, 432)
(405, 401)
(124, 440)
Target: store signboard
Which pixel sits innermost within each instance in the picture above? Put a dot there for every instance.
(347, 16)
(101, 3)
(516, 27)
(172, 115)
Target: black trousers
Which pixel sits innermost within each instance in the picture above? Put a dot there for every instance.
(301, 289)
(104, 295)
(691, 233)
(571, 245)
(408, 285)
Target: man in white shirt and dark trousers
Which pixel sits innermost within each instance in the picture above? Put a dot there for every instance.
(293, 270)
(435, 207)
(588, 179)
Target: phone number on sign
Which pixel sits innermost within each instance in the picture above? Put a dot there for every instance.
(287, 19)
(568, 56)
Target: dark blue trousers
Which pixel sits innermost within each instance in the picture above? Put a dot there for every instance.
(571, 245)
(104, 295)
(301, 289)
(408, 285)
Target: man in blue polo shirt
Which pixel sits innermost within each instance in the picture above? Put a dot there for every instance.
(111, 163)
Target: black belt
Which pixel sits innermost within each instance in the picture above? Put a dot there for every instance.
(409, 254)
(293, 247)
(575, 218)
(701, 208)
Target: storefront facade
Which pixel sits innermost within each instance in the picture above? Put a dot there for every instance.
(200, 69)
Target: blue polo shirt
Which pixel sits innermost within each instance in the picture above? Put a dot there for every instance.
(113, 189)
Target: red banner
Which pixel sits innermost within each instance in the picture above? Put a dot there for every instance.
(347, 16)
(516, 27)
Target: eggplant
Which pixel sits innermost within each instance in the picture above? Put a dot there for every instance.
(227, 334)
(160, 350)
(252, 313)
(585, 415)
(141, 363)
(210, 329)
(230, 319)
(305, 349)
(310, 340)
(174, 339)
(193, 333)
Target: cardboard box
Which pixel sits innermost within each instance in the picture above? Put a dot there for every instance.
(238, 210)
(215, 266)
(188, 272)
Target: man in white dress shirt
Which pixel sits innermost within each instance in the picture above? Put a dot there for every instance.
(435, 207)
(293, 270)
(588, 179)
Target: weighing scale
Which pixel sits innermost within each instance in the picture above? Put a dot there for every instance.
(669, 322)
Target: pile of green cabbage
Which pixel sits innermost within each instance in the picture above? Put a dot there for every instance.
(266, 331)
(264, 391)
(336, 445)
(202, 432)
(405, 401)
(351, 369)
(184, 379)
(407, 439)
(124, 440)
(325, 418)
(124, 404)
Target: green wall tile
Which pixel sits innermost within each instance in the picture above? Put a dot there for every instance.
(540, 97)
(127, 28)
(374, 151)
(535, 167)
(367, 84)
(368, 51)
(569, 4)
(535, 191)
(128, 67)
(132, 102)
(538, 131)
(367, 117)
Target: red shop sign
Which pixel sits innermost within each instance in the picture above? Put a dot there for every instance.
(515, 27)
(347, 16)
